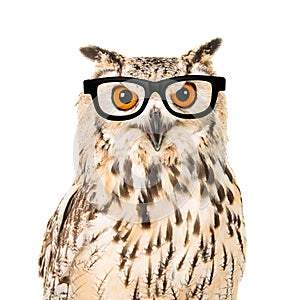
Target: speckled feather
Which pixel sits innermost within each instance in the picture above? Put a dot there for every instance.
(102, 244)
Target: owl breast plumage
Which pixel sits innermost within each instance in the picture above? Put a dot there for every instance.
(154, 211)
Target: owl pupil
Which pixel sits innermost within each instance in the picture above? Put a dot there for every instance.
(126, 97)
(183, 94)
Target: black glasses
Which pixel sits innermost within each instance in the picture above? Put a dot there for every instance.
(124, 98)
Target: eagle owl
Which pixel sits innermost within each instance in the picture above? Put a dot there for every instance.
(154, 211)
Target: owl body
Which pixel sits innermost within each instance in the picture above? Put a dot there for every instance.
(142, 222)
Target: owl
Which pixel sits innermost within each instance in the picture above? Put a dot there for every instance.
(155, 211)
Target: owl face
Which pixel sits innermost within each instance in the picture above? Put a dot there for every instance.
(157, 124)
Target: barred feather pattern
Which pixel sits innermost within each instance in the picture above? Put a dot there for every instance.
(141, 224)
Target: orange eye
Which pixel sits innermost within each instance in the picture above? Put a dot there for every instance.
(123, 98)
(186, 96)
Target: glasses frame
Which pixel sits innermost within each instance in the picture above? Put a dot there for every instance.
(217, 84)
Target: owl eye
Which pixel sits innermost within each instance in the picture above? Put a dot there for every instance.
(124, 98)
(186, 96)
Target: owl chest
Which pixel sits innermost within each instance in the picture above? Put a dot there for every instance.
(187, 254)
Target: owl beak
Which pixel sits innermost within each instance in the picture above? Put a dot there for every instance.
(157, 130)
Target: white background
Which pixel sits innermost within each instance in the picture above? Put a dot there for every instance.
(41, 76)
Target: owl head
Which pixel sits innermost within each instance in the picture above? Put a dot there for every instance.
(141, 117)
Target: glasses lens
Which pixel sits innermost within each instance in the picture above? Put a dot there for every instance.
(120, 98)
(189, 97)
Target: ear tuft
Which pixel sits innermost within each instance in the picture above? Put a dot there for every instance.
(91, 52)
(102, 56)
(206, 51)
(202, 54)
